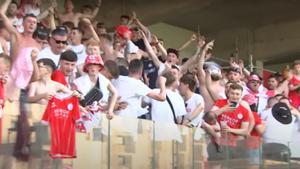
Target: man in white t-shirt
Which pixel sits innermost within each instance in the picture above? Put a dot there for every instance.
(194, 103)
(131, 89)
(163, 111)
(57, 45)
(76, 45)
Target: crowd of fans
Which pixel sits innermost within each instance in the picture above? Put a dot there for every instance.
(46, 54)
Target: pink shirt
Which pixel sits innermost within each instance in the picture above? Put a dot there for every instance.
(22, 68)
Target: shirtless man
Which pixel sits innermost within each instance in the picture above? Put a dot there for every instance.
(69, 15)
(24, 69)
(42, 90)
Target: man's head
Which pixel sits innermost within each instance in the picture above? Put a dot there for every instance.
(93, 48)
(58, 39)
(5, 63)
(235, 92)
(87, 9)
(100, 28)
(124, 19)
(285, 100)
(112, 70)
(170, 79)
(67, 62)
(46, 66)
(69, 6)
(93, 64)
(41, 35)
(187, 84)
(272, 82)
(234, 74)
(176, 71)
(76, 36)
(296, 66)
(136, 67)
(173, 56)
(106, 39)
(254, 82)
(29, 23)
(12, 9)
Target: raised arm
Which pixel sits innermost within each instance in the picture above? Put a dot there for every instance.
(161, 96)
(5, 19)
(161, 48)
(188, 42)
(96, 10)
(193, 60)
(90, 26)
(149, 49)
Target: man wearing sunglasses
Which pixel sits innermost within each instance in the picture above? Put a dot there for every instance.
(57, 44)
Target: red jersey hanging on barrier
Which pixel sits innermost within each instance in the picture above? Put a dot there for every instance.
(62, 115)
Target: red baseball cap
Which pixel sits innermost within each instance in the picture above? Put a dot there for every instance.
(121, 30)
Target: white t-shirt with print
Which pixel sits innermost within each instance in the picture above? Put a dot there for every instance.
(162, 112)
(191, 105)
(131, 90)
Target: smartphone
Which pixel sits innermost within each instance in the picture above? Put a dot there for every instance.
(233, 104)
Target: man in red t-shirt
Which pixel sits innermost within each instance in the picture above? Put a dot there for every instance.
(65, 73)
(62, 114)
(232, 116)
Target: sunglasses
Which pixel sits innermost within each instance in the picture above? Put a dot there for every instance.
(60, 42)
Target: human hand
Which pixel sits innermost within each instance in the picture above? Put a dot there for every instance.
(193, 37)
(201, 41)
(4, 78)
(48, 95)
(34, 54)
(109, 115)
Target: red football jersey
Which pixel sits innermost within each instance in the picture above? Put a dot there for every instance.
(62, 115)
(233, 119)
(294, 96)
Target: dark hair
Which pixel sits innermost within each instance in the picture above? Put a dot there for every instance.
(68, 55)
(41, 33)
(296, 62)
(189, 79)
(122, 62)
(210, 118)
(234, 69)
(135, 66)
(125, 17)
(171, 50)
(68, 24)
(30, 15)
(15, 2)
(79, 30)
(100, 25)
(184, 60)
(60, 30)
(235, 86)
(48, 62)
(112, 67)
